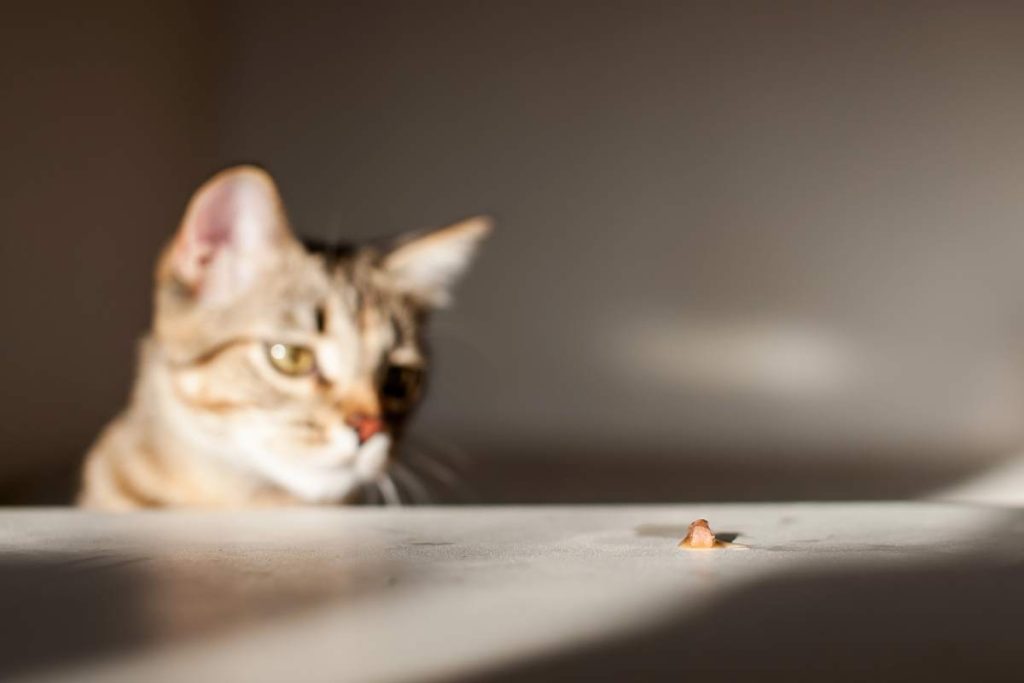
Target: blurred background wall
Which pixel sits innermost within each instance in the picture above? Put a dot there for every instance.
(108, 118)
(779, 241)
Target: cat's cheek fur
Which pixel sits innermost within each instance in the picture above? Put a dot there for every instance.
(314, 484)
(372, 459)
(319, 485)
(325, 474)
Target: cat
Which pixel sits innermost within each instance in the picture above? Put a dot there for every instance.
(277, 371)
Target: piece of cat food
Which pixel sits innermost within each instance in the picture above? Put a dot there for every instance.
(700, 536)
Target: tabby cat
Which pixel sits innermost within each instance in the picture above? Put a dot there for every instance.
(276, 372)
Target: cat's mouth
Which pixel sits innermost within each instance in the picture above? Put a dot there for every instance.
(367, 460)
(345, 449)
(324, 478)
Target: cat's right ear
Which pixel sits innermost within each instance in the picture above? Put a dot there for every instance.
(233, 229)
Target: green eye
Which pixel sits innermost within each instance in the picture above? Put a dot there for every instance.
(291, 359)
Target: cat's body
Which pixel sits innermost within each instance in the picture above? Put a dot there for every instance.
(275, 373)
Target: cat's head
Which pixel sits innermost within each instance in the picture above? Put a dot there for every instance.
(299, 361)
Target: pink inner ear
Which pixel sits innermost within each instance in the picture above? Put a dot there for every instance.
(227, 233)
(208, 230)
(213, 224)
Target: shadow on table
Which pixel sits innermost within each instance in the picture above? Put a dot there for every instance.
(60, 610)
(56, 611)
(959, 620)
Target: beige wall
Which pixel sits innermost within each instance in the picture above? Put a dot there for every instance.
(737, 225)
(727, 226)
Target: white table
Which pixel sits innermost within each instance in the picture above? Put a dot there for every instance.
(547, 593)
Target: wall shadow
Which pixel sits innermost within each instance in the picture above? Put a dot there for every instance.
(553, 474)
(575, 474)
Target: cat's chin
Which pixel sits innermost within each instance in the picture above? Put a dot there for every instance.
(372, 458)
(324, 482)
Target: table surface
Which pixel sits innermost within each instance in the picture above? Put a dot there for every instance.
(492, 594)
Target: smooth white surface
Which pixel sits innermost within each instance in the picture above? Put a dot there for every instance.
(421, 594)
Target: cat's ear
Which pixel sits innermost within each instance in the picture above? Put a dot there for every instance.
(426, 265)
(234, 228)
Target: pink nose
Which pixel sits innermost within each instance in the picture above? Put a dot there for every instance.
(365, 425)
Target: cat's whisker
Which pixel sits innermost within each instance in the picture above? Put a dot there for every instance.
(418, 491)
(398, 489)
(438, 470)
(390, 492)
(441, 473)
(455, 456)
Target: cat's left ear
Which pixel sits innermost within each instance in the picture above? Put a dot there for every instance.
(427, 265)
(233, 230)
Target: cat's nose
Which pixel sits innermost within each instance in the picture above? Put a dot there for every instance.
(365, 425)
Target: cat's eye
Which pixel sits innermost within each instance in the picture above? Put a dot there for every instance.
(400, 387)
(291, 359)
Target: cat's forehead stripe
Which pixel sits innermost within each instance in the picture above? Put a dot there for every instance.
(384, 318)
(333, 254)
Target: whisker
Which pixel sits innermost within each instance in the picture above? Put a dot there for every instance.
(454, 456)
(398, 489)
(417, 489)
(441, 472)
(390, 492)
(423, 463)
